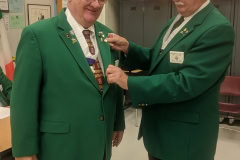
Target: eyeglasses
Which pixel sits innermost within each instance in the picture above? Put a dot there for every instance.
(101, 2)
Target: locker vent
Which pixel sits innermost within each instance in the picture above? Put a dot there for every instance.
(156, 8)
(133, 8)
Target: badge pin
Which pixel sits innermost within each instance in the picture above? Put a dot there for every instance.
(74, 40)
(67, 35)
(72, 33)
(100, 34)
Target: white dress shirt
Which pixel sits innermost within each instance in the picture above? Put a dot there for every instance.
(168, 37)
(78, 29)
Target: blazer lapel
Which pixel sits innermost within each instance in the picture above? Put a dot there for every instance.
(105, 52)
(183, 33)
(74, 47)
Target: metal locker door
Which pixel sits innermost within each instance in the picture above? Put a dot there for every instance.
(156, 15)
(227, 9)
(131, 20)
(236, 56)
(235, 71)
(174, 10)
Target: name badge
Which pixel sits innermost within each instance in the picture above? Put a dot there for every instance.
(176, 57)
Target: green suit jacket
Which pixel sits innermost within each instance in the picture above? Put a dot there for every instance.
(6, 89)
(180, 101)
(58, 111)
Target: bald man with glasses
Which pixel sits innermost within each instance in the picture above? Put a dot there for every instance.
(62, 107)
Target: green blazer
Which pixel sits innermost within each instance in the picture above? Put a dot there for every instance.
(180, 101)
(57, 109)
(6, 89)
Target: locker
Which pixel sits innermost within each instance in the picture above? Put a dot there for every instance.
(131, 20)
(235, 70)
(156, 15)
(142, 20)
(174, 10)
(226, 7)
(236, 57)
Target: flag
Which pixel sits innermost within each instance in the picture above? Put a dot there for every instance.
(5, 52)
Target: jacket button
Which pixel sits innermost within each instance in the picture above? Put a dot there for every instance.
(102, 118)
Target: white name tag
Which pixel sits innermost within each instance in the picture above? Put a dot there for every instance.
(176, 57)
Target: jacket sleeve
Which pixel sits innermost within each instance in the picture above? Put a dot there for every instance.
(25, 96)
(7, 87)
(119, 123)
(139, 57)
(203, 66)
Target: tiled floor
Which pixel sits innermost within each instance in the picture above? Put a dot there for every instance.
(130, 149)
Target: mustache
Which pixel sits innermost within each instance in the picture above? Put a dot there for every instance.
(179, 3)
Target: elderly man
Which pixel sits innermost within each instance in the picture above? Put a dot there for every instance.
(62, 107)
(179, 96)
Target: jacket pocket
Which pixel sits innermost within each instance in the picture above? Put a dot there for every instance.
(188, 117)
(54, 127)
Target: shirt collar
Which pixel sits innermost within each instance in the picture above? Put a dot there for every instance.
(73, 23)
(201, 8)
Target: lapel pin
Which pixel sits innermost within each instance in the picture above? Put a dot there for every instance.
(67, 35)
(184, 31)
(74, 40)
(102, 36)
(72, 33)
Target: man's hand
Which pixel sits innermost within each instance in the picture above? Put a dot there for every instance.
(116, 75)
(117, 138)
(34, 157)
(117, 42)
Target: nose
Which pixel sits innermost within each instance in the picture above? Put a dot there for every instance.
(96, 4)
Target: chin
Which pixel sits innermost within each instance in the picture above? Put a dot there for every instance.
(90, 19)
(181, 11)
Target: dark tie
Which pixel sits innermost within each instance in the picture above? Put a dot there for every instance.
(177, 24)
(86, 34)
(94, 64)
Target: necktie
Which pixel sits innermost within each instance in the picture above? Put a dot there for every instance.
(86, 34)
(94, 64)
(177, 24)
